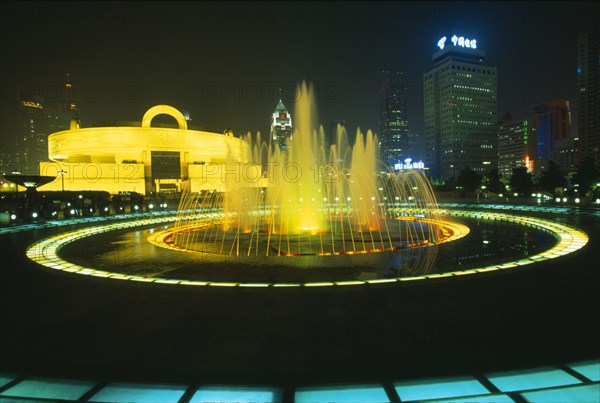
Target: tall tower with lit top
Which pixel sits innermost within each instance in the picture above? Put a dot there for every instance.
(281, 125)
(460, 106)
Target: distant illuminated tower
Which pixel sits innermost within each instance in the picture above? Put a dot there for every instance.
(36, 119)
(395, 141)
(460, 110)
(517, 145)
(588, 86)
(32, 138)
(281, 125)
(554, 134)
(70, 97)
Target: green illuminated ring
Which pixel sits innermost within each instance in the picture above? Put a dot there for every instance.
(45, 252)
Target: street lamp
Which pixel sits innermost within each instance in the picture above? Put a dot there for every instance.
(62, 177)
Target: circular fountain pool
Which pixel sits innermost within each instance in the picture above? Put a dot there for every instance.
(119, 251)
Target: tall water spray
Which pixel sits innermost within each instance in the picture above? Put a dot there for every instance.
(306, 199)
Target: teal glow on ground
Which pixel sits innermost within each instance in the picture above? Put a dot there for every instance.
(567, 383)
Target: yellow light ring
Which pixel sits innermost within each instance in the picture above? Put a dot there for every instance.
(159, 238)
(45, 252)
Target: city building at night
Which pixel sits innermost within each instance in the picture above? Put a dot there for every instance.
(395, 140)
(32, 138)
(143, 158)
(36, 118)
(517, 145)
(281, 125)
(588, 85)
(460, 109)
(554, 141)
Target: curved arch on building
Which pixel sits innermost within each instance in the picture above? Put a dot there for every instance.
(164, 110)
(142, 159)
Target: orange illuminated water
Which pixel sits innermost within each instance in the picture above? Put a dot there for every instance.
(310, 199)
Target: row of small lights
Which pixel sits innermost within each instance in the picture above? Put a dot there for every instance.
(557, 199)
(29, 227)
(577, 200)
(45, 252)
(36, 214)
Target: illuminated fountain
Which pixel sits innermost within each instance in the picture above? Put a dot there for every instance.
(306, 200)
(301, 208)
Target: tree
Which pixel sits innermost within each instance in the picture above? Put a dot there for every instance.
(521, 181)
(551, 178)
(492, 181)
(468, 179)
(440, 185)
(587, 174)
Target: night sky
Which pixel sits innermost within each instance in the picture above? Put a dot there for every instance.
(223, 62)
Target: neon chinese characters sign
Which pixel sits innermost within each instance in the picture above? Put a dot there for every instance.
(408, 164)
(458, 41)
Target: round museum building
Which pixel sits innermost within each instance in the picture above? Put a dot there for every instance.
(141, 158)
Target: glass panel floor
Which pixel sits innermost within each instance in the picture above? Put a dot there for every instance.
(571, 382)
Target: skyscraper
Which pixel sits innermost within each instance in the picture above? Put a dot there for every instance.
(554, 140)
(281, 125)
(517, 145)
(588, 83)
(460, 110)
(395, 141)
(32, 138)
(36, 119)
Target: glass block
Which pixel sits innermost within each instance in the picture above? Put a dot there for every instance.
(136, 392)
(589, 369)
(439, 388)
(341, 393)
(531, 379)
(497, 398)
(49, 388)
(575, 394)
(240, 394)
(6, 378)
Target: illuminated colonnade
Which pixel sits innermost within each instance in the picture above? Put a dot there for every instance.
(140, 159)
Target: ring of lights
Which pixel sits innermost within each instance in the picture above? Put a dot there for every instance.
(451, 230)
(45, 252)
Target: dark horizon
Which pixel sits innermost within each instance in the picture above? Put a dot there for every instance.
(224, 62)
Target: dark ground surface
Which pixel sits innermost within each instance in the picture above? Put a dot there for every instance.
(63, 325)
